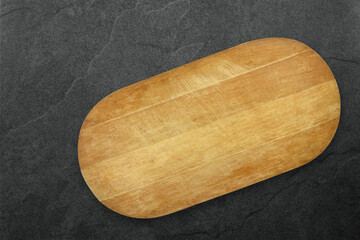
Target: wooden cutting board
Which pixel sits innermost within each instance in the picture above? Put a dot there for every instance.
(209, 127)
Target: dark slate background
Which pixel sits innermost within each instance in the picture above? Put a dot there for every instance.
(60, 57)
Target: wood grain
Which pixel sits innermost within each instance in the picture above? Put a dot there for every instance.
(208, 128)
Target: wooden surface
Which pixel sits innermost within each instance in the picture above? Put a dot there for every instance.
(208, 128)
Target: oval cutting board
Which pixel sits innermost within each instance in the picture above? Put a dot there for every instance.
(208, 128)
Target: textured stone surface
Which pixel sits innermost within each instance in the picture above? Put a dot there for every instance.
(60, 57)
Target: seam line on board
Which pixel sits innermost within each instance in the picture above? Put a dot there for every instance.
(187, 93)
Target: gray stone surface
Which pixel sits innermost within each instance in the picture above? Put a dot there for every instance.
(60, 57)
